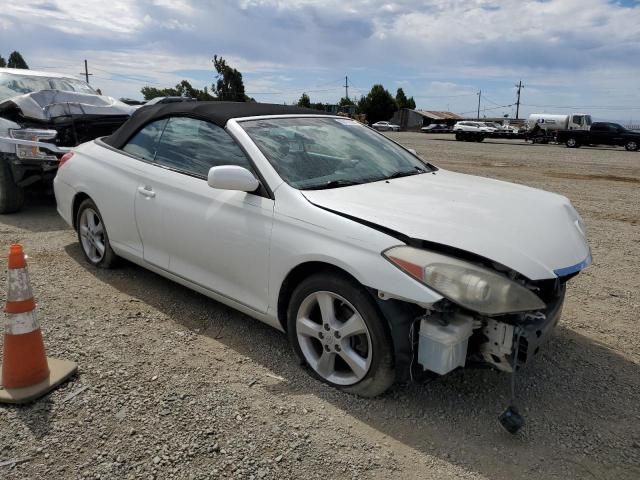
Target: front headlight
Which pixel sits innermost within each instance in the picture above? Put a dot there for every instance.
(31, 152)
(471, 286)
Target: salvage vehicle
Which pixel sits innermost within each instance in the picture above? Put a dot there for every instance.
(601, 133)
(386, 127)
(378, 265)
(437, 128)
(467, 131)
(42, 115)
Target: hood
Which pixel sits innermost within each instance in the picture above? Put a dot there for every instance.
(536, 233)
(45, 105)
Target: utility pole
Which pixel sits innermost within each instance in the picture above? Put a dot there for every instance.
(346, 87)
(520, 87)
(479, 97)
(86, 71)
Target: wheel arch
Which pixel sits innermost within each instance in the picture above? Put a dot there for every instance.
(75, 206)
(297, 275)
(398, 314)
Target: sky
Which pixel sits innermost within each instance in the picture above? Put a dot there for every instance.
(571, 55)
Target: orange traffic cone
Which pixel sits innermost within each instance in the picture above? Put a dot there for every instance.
(27, 373)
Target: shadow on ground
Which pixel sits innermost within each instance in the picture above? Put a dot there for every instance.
(574, 429)
(38, 215)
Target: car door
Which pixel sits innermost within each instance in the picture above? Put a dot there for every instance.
(596, 134)
(217, 239)
(148, 216)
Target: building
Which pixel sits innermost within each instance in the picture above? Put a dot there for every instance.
(416, 119)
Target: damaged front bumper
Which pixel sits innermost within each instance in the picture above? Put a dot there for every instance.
(499, 338)
(450, 339)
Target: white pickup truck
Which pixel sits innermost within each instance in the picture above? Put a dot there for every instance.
(43, 115)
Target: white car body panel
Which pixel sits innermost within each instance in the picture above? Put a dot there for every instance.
(530, 231)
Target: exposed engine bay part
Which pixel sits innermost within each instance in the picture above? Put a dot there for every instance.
(442, 345)
(447, 337)
(499, 345)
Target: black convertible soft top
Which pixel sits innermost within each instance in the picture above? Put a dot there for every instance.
(215, 112)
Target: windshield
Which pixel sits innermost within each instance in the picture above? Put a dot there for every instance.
(316, 152)
(12, 85)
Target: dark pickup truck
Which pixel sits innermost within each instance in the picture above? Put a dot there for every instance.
(601, 133)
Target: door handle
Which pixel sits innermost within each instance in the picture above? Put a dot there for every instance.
(146, 191)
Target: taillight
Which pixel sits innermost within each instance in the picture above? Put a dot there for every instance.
(64, 159)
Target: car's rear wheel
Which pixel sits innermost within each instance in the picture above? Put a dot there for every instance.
(93, 237)
(459, 136)
(11, 195)
(631, 146)
(572, 142)
(336, 328)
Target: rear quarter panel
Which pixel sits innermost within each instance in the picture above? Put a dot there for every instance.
(110, 179)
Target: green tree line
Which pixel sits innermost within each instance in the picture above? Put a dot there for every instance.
(15, 61)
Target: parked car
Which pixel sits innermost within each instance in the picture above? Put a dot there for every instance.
(375, 262)
(157, 100)
(436, 128)
(472, 131)
(41, 116)
(601, 133)
(386, 126)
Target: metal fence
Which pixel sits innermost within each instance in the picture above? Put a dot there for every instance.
(633, 126)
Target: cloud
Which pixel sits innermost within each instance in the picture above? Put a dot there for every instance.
(563, 49)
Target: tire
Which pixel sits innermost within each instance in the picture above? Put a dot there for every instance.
(11, 195)
(572, 142)
(631, 146)
(479, 138)
(459, 137)
(92, 233)
(318, 340)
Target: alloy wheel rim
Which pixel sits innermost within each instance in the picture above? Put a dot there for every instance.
(92, 235)
(571, 142)
(632, 146)
(334, 338)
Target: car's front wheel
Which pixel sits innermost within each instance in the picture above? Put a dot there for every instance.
(336, 328)
(93, 237)
(631, 146)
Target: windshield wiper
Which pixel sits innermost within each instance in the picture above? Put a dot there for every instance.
(333, 184)
(406, 173)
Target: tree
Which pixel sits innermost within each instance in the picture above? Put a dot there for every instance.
(3, 62)
(319, 106)
(229, 85)
(304, 101)
(16, 61)
(183, 89)
(377, 105)
(345, 102)
(403, 101)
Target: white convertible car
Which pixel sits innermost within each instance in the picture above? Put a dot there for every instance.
(378, 265)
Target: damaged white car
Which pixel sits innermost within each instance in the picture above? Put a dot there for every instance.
(41, 116)
(378, 265)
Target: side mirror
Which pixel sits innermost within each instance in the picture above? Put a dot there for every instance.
(232, 177)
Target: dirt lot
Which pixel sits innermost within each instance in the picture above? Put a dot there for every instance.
(179, 386)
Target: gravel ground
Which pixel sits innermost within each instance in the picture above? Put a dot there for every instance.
(174, 385)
